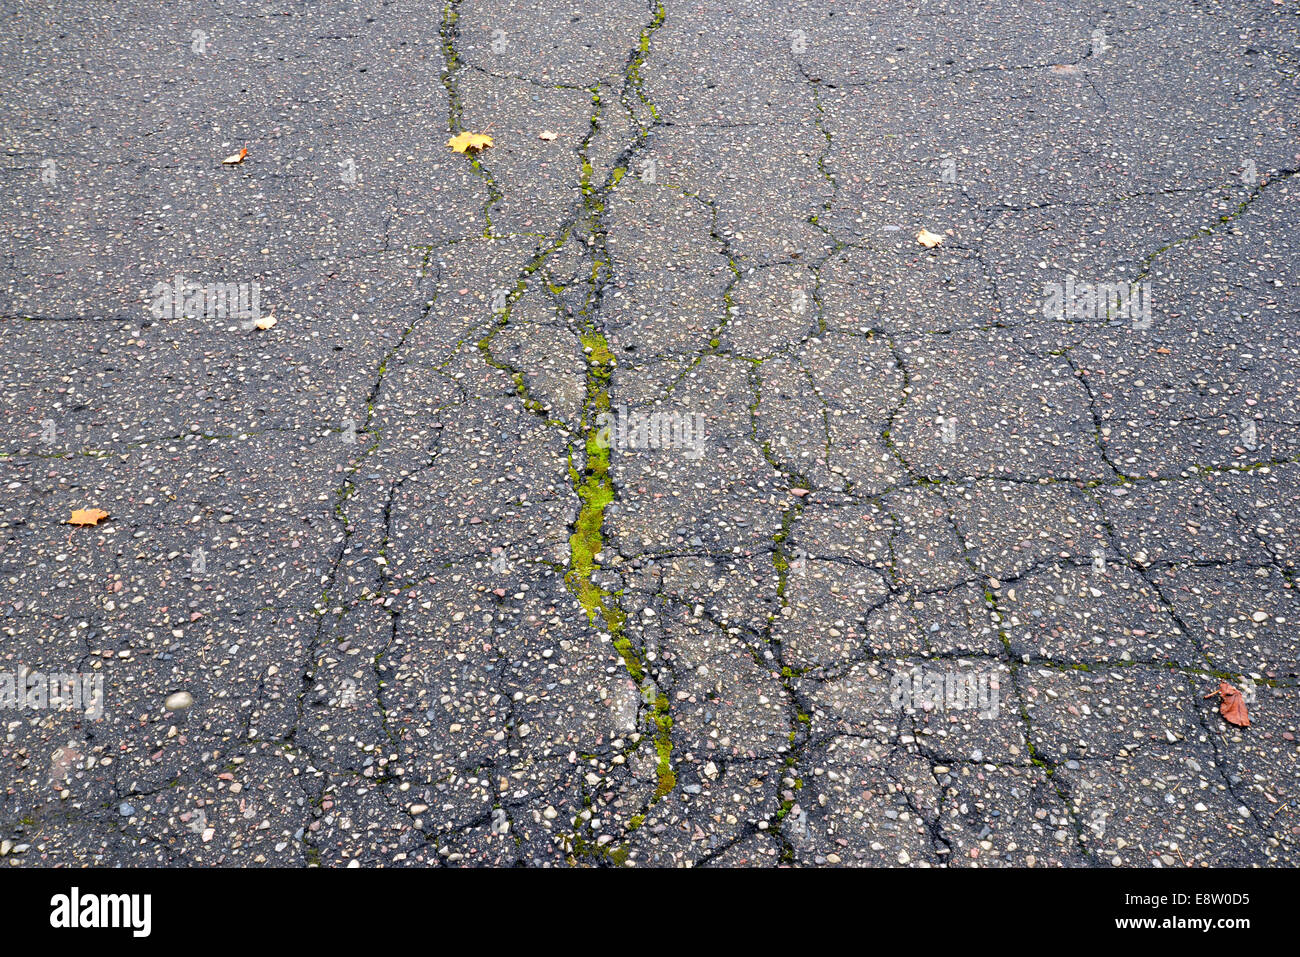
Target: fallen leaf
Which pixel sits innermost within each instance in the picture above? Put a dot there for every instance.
(466, 142)
(1231, 705)
(235, 158)
(546, 135)
(266, 322)
(87, 516)
(928, 239)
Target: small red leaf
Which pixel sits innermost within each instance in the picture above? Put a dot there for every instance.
(1231, 705)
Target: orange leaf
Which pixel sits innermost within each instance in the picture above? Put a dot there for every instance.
(87, 516)
(236, 158)
(1231, 705)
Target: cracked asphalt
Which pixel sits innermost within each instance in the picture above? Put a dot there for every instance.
(942, 579)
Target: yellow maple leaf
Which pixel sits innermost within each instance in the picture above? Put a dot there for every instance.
(466, 142)
(928, 239)
(87, 516)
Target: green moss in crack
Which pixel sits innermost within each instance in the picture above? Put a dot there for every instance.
(599, 853)
(595, 492)
(664, 747)
(643, 50)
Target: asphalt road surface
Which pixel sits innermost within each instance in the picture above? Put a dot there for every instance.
(832, 433)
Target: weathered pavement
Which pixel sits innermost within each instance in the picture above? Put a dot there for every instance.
(426, 617)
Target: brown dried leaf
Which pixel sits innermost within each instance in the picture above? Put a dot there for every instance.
(1231, 705)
